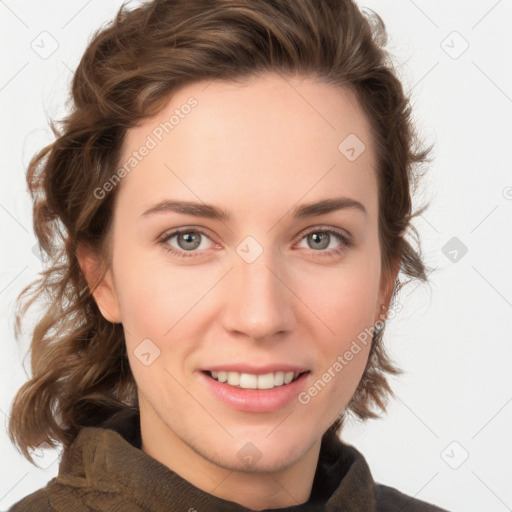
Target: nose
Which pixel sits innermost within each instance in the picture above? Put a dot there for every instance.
(258, 304)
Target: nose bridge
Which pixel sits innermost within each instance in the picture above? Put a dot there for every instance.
(259, 302)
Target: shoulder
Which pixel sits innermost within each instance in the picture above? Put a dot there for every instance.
(36, 502)
(389, 499)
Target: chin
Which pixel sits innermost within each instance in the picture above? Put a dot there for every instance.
(249, 458)
(266, 449)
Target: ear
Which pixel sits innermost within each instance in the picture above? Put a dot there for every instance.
(100, 282)
(386, 290)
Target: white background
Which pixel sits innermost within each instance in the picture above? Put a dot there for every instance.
(453, 337)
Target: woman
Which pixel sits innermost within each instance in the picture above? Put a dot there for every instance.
(225, 213)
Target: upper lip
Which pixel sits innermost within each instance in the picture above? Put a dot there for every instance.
(256, 370)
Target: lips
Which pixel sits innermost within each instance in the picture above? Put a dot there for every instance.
(256, 370)
(256, 399)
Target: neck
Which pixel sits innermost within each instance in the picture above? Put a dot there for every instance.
(256, 490)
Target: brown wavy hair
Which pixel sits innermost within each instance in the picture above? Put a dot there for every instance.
(131, 67)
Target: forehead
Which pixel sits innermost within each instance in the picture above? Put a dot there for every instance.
(268, 138)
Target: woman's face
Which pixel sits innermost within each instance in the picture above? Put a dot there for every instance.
(276, 272)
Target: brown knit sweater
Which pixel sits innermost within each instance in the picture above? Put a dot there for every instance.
(105, 470)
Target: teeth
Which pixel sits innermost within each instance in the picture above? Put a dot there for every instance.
(233, 378)
(266, 381)
(251, 381)
(247, 381)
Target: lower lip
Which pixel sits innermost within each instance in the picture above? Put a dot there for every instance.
(256, 400)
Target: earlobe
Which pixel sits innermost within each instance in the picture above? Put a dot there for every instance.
(100, 282)
(387, 291)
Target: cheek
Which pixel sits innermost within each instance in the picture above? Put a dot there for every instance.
(344, 302)
(343, 299)
(155, 296)
(166, 305)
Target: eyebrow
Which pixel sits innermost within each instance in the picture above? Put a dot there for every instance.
(213, 212)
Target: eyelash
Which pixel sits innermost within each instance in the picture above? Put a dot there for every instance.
(342, 237)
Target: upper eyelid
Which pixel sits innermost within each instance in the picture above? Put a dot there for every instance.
(340, 232)
(332, 229)
(171, 233)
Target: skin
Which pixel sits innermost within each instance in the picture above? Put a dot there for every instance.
(257, 149)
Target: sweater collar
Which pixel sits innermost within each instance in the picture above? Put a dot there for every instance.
(108, 458)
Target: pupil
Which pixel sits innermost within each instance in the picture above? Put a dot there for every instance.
(187, 239)
(320, 237)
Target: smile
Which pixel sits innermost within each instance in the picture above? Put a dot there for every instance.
(264, 391)
(252, 381)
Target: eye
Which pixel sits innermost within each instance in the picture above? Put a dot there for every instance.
(319, 239)
(187, 241)
(191, 242)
